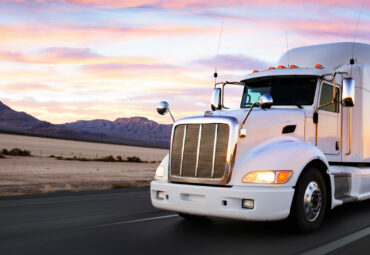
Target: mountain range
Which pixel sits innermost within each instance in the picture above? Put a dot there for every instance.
(137, 131)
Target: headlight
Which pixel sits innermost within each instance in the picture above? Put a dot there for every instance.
(277, 177)
(159, 173)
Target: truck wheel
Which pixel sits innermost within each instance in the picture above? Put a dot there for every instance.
(310, 201)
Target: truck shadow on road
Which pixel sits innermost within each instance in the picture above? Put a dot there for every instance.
(346, 218)
(280, 237)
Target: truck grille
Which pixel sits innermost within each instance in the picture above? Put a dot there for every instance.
(199, 151)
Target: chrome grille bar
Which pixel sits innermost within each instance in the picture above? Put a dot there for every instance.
(198, 150)
(214, 152)
(183, 147)
(202, 150)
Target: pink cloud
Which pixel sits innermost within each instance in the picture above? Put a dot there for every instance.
(56, 34)
(68, 53)
(330, 26)
(232, 62)
(192, 3)
(114, 67)
(65, 55)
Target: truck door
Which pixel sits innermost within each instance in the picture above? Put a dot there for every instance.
(329, 127)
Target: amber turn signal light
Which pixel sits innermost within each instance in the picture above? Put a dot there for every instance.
(268, 177)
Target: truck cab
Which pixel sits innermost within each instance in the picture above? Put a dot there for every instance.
(298, 144)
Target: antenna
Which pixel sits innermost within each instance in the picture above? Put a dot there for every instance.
(218, 50)
(287, 46)
(352, 60)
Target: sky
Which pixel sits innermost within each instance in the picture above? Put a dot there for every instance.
(68, 60)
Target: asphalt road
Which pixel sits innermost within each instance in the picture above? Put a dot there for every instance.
(124, 222)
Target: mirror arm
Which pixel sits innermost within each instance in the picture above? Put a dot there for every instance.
(349, 133)
(321, 106)
(265, 101)
(334, 87)
(173, 119)
(249, 112)
(243, 132)
(222, 95)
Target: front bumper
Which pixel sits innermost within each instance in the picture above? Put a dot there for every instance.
(269, 203)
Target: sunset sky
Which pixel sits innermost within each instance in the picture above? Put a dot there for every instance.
(67, 60)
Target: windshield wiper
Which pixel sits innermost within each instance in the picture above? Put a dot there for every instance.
(299, 106)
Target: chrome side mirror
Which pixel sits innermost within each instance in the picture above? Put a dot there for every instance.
(348, 92)
(265, 101)
(163, 108)
(216, 99)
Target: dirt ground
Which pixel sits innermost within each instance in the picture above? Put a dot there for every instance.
(21, 175)
(41, 174)
(45, 147)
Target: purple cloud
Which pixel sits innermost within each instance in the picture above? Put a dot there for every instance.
(232, 62)
(64, 52)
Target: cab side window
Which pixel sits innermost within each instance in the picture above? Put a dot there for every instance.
(327, 95)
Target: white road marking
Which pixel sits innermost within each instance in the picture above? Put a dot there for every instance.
(326, 248)
(134, 221)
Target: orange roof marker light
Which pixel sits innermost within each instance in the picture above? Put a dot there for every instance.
(281, 67)
(293, 66)
(255, 71)
(272, 68)
(318, 66)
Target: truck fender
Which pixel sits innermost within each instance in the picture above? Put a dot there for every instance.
(277, 154)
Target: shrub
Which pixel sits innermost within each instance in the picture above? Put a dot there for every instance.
(108, 159)
(16, 152)
(133, 159)
(104, 159)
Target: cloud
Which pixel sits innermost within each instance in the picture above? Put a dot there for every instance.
(67, 34)
(189, 3)
(337, 28)
(159, 51)
(329, 25)
(69, 53)
(65, 55)
(21, 87)
(232, 62)
(116, 67)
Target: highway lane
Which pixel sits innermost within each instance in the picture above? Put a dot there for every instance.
(124, 222)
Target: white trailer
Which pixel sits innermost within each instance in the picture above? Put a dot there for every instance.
(299, 145)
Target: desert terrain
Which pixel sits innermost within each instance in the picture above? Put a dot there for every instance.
(42, 173)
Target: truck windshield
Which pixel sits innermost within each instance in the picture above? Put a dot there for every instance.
(284, 91)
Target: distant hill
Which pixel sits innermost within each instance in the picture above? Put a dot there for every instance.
(137, 131)
(17, 121)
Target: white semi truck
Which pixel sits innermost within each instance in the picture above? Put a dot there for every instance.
(298, 145)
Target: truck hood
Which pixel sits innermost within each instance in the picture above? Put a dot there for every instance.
(263, 126)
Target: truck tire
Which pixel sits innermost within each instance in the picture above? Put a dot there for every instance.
(310, 201)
